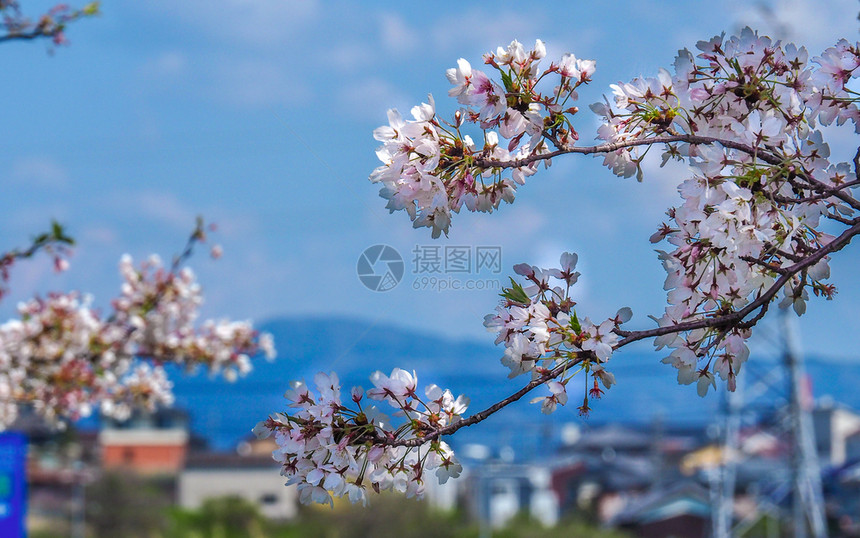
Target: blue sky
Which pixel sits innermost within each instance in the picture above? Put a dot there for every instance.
(258, 115)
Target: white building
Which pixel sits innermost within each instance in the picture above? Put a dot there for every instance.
(836, 432)
(254, 477)
(499, 491)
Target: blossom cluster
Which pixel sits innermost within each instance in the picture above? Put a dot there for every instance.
(755, 203)
(543, 335)
(744, 114)
(64, 358)
(432, 168)
(329, 449)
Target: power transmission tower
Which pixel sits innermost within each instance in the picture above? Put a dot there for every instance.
(807, 499)
(804, 473)
(723, 511)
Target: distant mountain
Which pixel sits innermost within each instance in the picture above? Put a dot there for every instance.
(225, 412)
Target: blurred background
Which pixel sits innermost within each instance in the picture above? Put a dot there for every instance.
(258, 115)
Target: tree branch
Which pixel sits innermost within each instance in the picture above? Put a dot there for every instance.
(51, 24)
(483, 415)
(825, 191)
(828, 192)
(27, 36)
(614, 146)
(817, 186)
(735, 318)
(767, 265)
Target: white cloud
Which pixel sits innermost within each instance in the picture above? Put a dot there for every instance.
(42, 172)
(256, 23)
(584, 40)
(166, 208)
(255, 82)
(397, 37)
(485, 29)
(370, 98)
(812, 23)
(513, 223)
(233, 227)
(167, 65)
(238, 78)
(162, 73)
(162, 207)
(98, 236)
(348, 57)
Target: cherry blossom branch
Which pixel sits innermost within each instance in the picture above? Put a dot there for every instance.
(735, 317)
(55, 237)
(827, 192)
(66, 359)
(766, 264)
(788, 255)
(760, 182)
(726, 321)
(49, 25)
(615, 146)
(432, 435)
(54, 241)
(823, 188)
(198, 235)
(841, 219)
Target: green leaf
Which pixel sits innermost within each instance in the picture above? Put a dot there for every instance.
(91, 9)
(515, 293)
(58, 234)
(506, 79)
(574, 323)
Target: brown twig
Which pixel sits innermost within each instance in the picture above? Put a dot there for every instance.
(736, 317)
(815, 198)
(615, 146)
(483, 415)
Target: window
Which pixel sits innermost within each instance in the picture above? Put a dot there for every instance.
(269, 498)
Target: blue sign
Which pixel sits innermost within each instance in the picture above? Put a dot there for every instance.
(13, 484)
